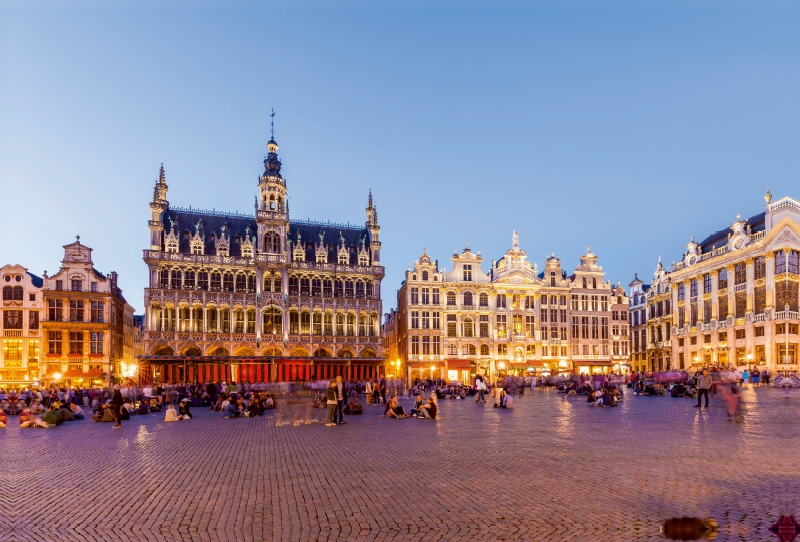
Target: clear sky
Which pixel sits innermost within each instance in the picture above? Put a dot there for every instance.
(629, 126)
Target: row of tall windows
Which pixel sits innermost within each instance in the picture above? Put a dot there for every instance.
(427, 346)
(316, 287)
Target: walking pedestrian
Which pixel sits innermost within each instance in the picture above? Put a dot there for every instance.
(383, 389)
(480, 386)
(703, 385)
(116, 405)
(332, 403)
(340, 401)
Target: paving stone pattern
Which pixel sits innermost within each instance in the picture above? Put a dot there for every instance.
(551, 469)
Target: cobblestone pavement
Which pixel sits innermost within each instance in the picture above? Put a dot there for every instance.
(551, 469)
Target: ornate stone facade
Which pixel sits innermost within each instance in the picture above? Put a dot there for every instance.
(735, 294)
(511, 320)
(261, 285)
(20, 356)
(89, 329)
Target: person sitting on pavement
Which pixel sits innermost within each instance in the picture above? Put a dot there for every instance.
(77, 412)
(598, 398)
(3, 418)
(171, 415)
(417, 404)
(53, 416)
(66, 413)
(28, 419)
(353, 407)
(143, 408)
(393, 410)
(254, 408)
(428, 411)
(503, 401)
(232, 410)
(269, 403)
(186, 412)
(608, 399)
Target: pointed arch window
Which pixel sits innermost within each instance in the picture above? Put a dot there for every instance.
(272, 242)
(227, 282)
(241, 283)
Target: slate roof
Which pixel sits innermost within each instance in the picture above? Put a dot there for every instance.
(720, 238)
(240, 226)
(36, 281)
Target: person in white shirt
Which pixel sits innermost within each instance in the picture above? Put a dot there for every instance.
(171, 414)
(368, 391)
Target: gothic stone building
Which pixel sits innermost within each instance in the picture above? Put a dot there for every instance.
(261, 298)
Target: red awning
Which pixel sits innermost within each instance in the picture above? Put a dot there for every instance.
(593, 362)
(425, 364)
(458, 364)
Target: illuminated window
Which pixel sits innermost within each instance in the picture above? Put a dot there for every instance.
(76, 342)
(12, 350)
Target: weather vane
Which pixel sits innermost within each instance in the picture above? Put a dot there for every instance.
(272, 124)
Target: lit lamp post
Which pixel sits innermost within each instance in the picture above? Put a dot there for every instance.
(696, 360)
(433, 368)
(749, 359)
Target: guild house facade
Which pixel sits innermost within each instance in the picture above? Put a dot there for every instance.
(735, 294)
(511, 320)
(261, 297)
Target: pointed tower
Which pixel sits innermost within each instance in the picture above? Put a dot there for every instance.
(272, 215)
(158, 206)
(374, 231)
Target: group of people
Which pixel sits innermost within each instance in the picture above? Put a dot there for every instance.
(425, 409)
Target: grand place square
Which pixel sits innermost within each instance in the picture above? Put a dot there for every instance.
(518, 271)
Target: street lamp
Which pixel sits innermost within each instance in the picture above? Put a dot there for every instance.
(433, 368)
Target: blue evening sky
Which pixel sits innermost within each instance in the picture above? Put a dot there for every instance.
(629, 126)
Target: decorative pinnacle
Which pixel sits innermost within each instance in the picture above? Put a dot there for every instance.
(272, 124)
(78, 239)
(162, 178)
(370, 198)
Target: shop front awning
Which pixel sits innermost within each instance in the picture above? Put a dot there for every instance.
(458, 364)
(594, 362)
(425, 364)
(74, 375)
(260, 359)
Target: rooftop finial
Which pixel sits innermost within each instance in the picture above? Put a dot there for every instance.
(161, 175)
(78, 239)
(768, 196)
(370, 198)
(272, 124)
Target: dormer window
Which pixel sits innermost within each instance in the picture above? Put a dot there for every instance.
(467, 272)
(343, 257)
(171, 246)
(363, 259)
(247, 252)
(299, 254)
(197, 247)
(424, 275)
